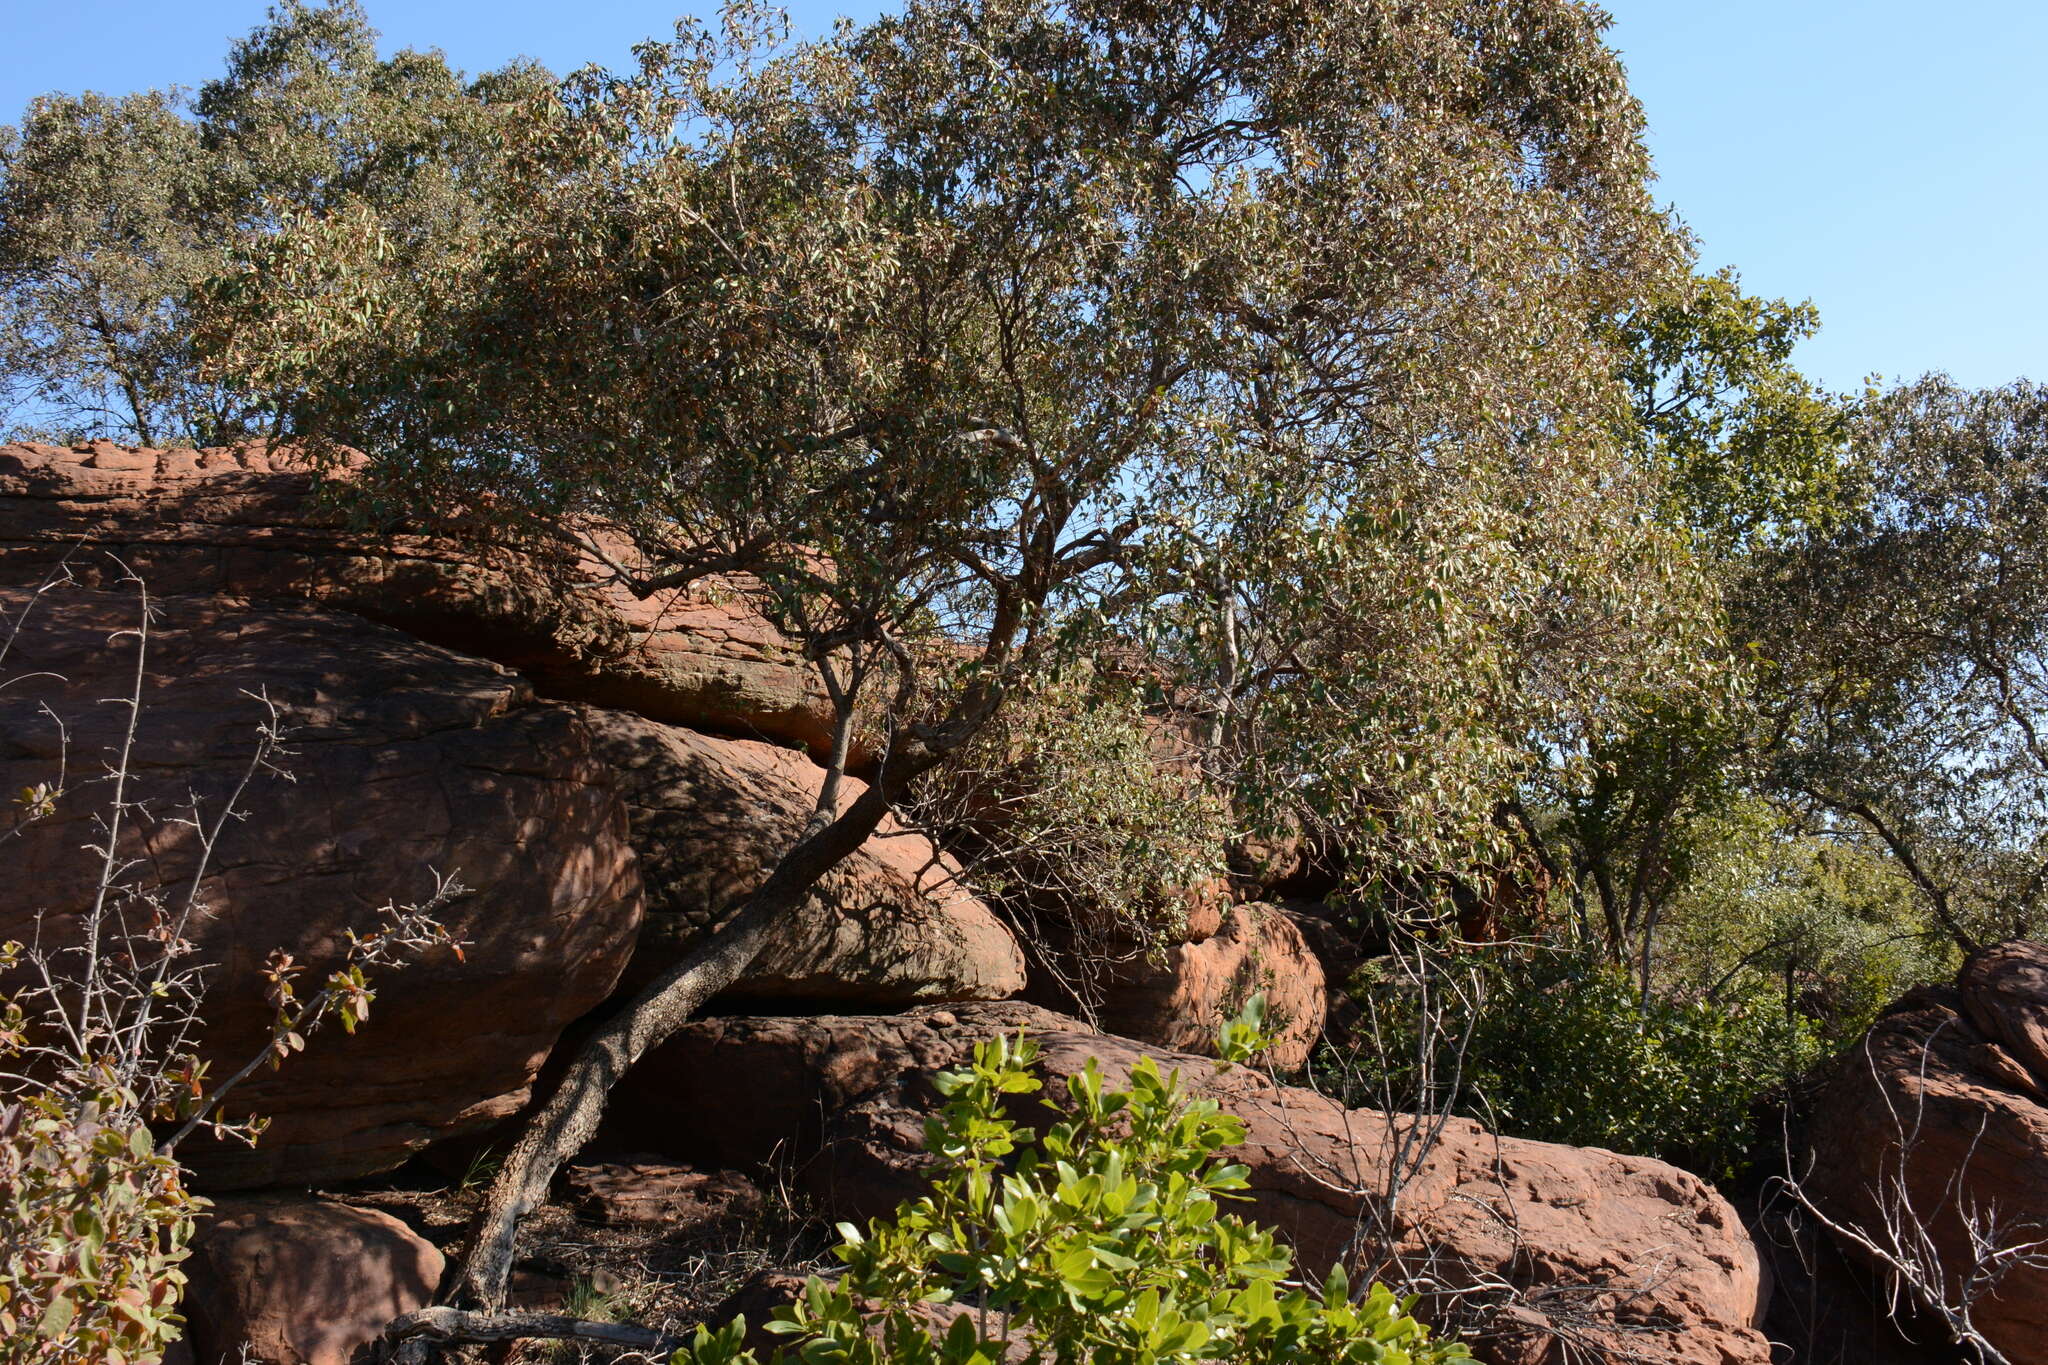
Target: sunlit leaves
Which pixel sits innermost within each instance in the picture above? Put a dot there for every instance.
(1102, 1240)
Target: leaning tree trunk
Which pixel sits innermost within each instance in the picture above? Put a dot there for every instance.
(572, 1114)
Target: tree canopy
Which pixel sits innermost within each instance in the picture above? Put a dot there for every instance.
(1316, 385)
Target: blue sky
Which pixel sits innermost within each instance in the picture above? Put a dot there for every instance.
(1887, 159)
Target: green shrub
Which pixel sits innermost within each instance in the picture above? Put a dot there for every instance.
(93, 1220)
(1563, 1050)
(1831, 924)
(93, 1224)
(1101, 1241)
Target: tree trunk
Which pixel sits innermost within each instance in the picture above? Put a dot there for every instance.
(572, 1114)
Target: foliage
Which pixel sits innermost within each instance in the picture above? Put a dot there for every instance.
(1628, 837)
(114, 211)
(93, 1219)
(1102, 1240)
(1012, 312)
(1086, 819)
(1906, 653)
(1748, 455)
(1244, 1035)
(1753, 451)
(102, 210)
(1560, 1046)
(1831, 925)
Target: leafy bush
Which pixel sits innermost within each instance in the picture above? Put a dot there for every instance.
(93, 1221)
(93, 1225)
(1100, 1241)
(99, 1030)
(1086, 821)
(1562, 1049)
(1829, 924)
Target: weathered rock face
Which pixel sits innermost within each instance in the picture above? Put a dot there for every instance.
(403, 758)
(650, 1192)
(2005, 994)
(1943, 1109)
(244, 522)
(1649, 1258)
(1181, 1002)
(301, 1281)
(890, 926)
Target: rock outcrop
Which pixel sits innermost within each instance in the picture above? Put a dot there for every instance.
(890, 926)
(402, 758)
(1939, 1119)
(247, 522)
(1626, 1252)
(1181, 1001)
(416, 747)
(300, 1281)
(597, 768)
(650, 1192)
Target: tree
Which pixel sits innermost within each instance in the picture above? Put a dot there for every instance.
(308, 117)
(955, 333)
(113, 212)
(102, 207)
(1906, 653)
(1746, 454)
(1754, 451)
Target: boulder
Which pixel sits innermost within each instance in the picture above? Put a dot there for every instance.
(1939, 1119)
(1182, 1000)
(300, 1281)
(651, 1192)
(248, 522)
(1619, 1252)
(2005, 995)
(888, 927)
(401, 759)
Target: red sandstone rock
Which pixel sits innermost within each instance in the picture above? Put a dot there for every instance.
(405, 759)
(2005, 994)
(1649, 1251)
(243, 522)
(1184, 1000)
(652, 1192)
(890, 926)
(301, 1281)
(1944, 1107)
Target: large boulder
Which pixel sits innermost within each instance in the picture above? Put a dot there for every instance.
(889, 926)
(1615, 1252)
(401, 759)
(1933, 1134)
(247, 522)
(301, 1281)
(1181, 999)
(649, 1192)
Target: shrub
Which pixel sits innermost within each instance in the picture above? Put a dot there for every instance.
(99, 1027)
(1102, 1240)
(93, 1224)
(1562, 1048)
(1087, 821)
